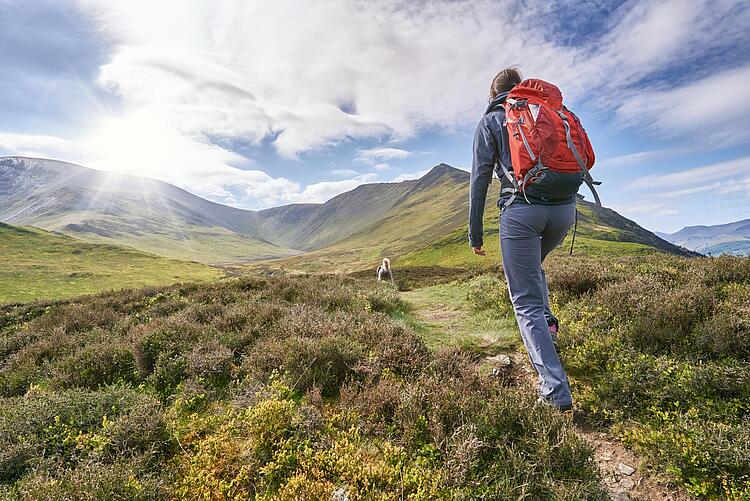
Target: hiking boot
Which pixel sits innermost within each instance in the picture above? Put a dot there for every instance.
(566, 409)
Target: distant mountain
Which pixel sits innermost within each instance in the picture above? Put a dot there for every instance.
(358, 226)
(729, 238)
(378, 217)
(126, 210)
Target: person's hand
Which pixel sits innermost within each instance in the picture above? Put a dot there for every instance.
(478, 251)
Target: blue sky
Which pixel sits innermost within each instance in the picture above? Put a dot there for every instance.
(256, 104)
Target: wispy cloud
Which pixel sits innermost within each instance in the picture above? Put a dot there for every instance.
(663, 195)
(34, 145)
(637, 157)
(379, 69)
(376, 154)
(386, 71)
(659, 208)
(344, 172)
(699, 175)
(713, 110)
(320, 192)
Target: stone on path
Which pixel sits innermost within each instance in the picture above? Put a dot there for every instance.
(621, 496)
(625, 469)
(500, 360)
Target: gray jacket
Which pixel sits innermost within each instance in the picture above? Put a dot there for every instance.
(491, 147)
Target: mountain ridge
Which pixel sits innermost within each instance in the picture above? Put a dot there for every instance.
(371, 220)
(729, 238)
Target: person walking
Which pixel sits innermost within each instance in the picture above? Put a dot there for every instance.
(537, 210)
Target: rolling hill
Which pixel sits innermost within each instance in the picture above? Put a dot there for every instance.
(37, 264)
(730, 238)
(126, 210)
(352, 230)
(426, 226)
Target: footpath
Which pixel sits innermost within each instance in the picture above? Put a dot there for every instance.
(445, 318)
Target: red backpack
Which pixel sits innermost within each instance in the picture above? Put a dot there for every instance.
(549, 149)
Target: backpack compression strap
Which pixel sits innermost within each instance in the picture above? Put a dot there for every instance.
(586, 174)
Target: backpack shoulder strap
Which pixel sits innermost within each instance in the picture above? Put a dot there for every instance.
(586, 174)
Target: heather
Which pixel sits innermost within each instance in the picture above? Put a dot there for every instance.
(264, 387)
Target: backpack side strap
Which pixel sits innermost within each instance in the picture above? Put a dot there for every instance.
(586, 174)
(514, 190)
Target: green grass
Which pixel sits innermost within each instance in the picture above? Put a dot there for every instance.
(35, 264)
(445, 317)
(453, 250)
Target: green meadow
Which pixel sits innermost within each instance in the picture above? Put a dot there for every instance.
(36, 264)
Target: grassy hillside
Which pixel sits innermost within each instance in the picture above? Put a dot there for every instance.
(419, 212)
(601, 232)
(427, 228)
(351, 231)
(265, 388)
(36, 264)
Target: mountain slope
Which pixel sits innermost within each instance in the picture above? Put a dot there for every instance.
(601, 231)
(361, 211)
(353, 229)
(432, 214)
(37, 264)
(730, 238)
(149, 215)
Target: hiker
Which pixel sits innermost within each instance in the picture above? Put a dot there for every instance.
(384, 271)
(537, 205)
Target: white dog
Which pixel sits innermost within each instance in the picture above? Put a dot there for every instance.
(384, 270)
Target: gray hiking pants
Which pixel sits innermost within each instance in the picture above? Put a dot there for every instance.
(527, 234)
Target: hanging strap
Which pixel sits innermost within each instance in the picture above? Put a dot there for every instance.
(575, 229)
(586, 174)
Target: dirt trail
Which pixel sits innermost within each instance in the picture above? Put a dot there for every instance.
(623, 472)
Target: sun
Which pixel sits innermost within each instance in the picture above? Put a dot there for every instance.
(140, 144)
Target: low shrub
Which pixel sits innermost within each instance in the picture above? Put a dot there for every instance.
(264, 387)
(664, 349)
(490, 293)
(94, 366)
(72, 426)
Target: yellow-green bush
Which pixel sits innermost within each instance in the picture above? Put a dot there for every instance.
(663, 347)
(278, 388)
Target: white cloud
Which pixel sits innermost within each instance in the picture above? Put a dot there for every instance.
(312, 74)
(649, 208)
(320, 192)
(664, 194)
(34, 145)
(698, 175)
(635, 158)
(375, 154)
(144, 146)
(344, 172)
(308, 75)
(712, 111)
